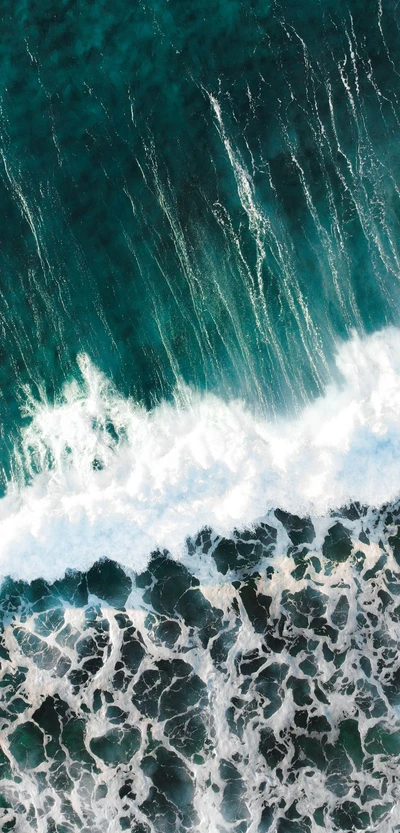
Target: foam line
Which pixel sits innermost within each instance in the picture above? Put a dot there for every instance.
(115, 480)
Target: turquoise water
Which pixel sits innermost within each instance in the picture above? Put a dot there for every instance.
(200, 416)
(164, 240)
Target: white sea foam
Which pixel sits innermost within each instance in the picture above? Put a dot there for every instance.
(196, 462)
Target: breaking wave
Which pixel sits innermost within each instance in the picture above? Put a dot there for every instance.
(99, 476)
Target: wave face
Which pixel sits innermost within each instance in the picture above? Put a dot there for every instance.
(200, 417)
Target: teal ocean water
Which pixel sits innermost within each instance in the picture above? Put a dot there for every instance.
(200, 416)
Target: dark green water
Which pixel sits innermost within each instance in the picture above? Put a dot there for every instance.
(164, 243)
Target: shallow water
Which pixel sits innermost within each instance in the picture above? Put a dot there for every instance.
(252, 687)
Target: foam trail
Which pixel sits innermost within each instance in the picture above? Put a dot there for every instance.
(107, 478)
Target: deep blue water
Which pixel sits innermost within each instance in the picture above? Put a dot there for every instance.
(199, 416)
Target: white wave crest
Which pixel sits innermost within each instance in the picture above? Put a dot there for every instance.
(115, 480)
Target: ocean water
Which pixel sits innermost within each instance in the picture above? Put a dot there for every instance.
(200, 416)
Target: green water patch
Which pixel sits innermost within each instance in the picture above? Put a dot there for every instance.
(244, 551)
(256, 603)
(26, 745)
(233, 806)
(109, 582)
(337, 545)
(300, 530)
(172, 794)
(173, 591)
(116, 746)
(170, 692)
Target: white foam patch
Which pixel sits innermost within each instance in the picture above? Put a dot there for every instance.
(196, 462)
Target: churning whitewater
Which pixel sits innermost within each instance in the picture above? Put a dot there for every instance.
(106, 478)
